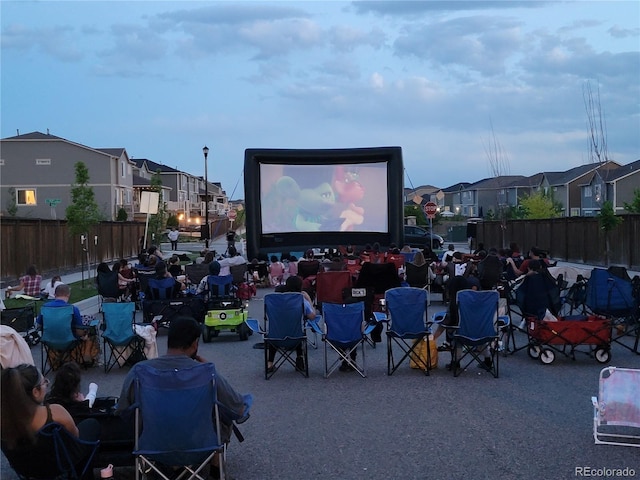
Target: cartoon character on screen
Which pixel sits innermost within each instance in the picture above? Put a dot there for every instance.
(281, 205)
(313, 206)
(291, 208)
(348, 190)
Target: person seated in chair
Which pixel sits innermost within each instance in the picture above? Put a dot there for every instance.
(24, 413)
(214, 271)
(232, 260)
(90, 343)
(167, 282)
(62, 294)
(182, 352)
(293, 284)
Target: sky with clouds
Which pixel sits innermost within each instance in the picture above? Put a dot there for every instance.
(441, 79)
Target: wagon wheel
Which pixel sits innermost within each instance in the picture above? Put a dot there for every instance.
(534, 351)
(547, 356)
(602, 355)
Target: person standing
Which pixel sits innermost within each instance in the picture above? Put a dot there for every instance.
(173, 238)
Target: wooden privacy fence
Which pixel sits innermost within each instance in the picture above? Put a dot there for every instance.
(572, 239)
(49, 245)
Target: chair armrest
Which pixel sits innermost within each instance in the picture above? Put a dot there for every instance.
(438, 317)
(254, 325)
(380, 317)
(314, 325)
(504, 320)
(369, 327)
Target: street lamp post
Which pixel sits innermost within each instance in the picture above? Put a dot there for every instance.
(205, 150)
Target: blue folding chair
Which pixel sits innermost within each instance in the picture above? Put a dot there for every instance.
(177, 421)
(59, 344)
(222, 292)
(346, 330)
(478, 331)
(162, 288)
(119, 335)
(407, 324)
(285, 330)
(54, 454)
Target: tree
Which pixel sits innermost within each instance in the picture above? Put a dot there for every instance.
(157, 221)
(608, 220)
(172, 221)
(596, 125)
(539, 206)
(83, 211)
(122, 215)
(499, 164)
(12, 205)
(634, 206)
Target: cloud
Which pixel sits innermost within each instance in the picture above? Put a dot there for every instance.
(483, 44)
(404, 7)
(135, 43)
(54, 41)
(344, 38)
(618, 32)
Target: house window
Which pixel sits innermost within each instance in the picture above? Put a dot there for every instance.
(43, 161)
(1, 162)
(587, 192)
(123, 169)
(25, 196)
(575, 212)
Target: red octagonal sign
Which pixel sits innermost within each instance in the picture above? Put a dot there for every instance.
(430, 208)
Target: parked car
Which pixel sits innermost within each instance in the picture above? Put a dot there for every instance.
(418, 237)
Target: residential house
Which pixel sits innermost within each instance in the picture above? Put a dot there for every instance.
(453, 199)
(185, 195)
(37, 172)
(489, 195)
(566, 187)
(616, 185)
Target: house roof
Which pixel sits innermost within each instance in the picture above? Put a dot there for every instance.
(34, 136)
(503, 181)
(572, 174)
(456, 187)
(115, 152)
(617, 173)
(154, 167)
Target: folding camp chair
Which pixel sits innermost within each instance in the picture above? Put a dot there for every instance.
(162, 288)
(345, 331)
(478, 331)
(285, 330)
(616, 410)
(22, 321)
(613, 297)
(177, 421)
(107, 285)
(119, 335)
(55, 454)
(329, 286)
(59, 344)
(406, 325)
(380, 277)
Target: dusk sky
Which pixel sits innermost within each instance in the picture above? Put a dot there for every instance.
(164, 78)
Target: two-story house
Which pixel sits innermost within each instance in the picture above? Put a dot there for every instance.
(617, 185)
(37, 173)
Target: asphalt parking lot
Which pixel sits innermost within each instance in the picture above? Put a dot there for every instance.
(533, 422)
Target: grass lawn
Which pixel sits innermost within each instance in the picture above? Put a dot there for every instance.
(77, 293)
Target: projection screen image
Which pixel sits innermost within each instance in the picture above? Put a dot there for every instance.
(324, 198)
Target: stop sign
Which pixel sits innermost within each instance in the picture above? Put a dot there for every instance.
(232, 215)
(430, 209)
